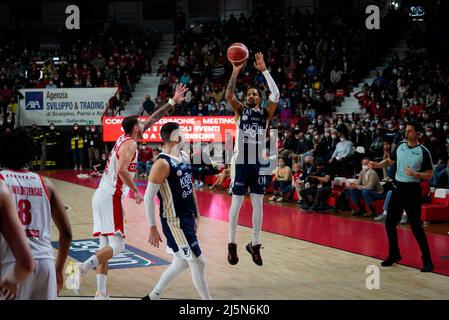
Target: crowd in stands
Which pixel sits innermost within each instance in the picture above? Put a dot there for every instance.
(314, 58)
(111, 57)
(311, 57)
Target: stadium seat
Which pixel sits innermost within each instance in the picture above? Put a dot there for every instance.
(438, 208)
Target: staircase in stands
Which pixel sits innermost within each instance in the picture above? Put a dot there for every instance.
(149, 82)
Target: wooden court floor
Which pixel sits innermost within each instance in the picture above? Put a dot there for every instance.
(293, 269)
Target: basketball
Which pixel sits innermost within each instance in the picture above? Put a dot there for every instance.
(237, 53)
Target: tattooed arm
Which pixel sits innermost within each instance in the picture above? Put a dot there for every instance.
(236, 105)
(162, 111)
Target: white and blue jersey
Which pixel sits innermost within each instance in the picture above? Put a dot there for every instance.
(250, 143)
(418, 158)
(177, 206)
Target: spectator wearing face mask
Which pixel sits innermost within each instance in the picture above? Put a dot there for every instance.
(282, 182)
(400, 136)
(367, 188)
(93, 142)
(440, 157)
(290, 144)
(99, 166)
(144, 160)
(332, 142)
(303, 144)
(297, 183)
(377, 145)
(38, 138)
(52, 147)
(358, 138)
(77, 145)
(318, 188)
(343, 149)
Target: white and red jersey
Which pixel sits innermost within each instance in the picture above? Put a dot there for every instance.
(111, 181)
(34, 212)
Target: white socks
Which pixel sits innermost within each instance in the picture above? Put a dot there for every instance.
(89, 264)
(237, 202)
(197, 266)
(178, 265)
(101, 284)
(174, 269)
(257, 202)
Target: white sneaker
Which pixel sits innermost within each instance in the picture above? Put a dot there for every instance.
(280, 199)
(72, 281)
(381, 217)
(404, 219)
(101, 296)
(272, 198)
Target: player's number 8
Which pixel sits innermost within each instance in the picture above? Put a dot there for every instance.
(24, 211)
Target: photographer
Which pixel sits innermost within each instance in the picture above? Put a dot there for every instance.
(319, 189)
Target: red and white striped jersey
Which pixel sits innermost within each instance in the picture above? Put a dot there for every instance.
(34, 212)
(111, 181)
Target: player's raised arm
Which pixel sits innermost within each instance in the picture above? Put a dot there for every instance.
(260, 65)
(159, 172)
(61, 220)
(178, 97)
(127, 152)
(236, 105)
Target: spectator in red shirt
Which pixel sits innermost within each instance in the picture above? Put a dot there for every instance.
(144, 160)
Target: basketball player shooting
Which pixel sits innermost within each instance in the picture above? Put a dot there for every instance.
(251, 122)
(117, 180)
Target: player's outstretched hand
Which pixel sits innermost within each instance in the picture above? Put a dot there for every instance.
(155, 237)
(259, 64)
(8, 289)
(238, 68)
(138, 197)
(179, 93)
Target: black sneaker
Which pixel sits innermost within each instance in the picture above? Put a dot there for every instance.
(146, 298)
(255, 253)
(428, 267)
(390, 261)
(233, 258)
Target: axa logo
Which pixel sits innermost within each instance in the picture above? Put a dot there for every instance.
(34, 100)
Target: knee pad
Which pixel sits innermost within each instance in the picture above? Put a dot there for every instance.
(117, 244)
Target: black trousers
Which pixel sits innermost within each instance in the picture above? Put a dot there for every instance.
(406, 196)
(319, 195)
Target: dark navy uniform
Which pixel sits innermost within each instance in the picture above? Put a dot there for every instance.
(250, 143)
(177, 207)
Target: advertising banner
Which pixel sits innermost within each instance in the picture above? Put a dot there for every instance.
(196, 129)
(64, 107)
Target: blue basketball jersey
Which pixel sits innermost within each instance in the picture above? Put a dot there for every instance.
(250, 139)
(176, 193)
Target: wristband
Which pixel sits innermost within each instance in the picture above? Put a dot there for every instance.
(171, 102)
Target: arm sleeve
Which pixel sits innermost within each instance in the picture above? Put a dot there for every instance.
(427, 160)
(274, 95)
(150, 205)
